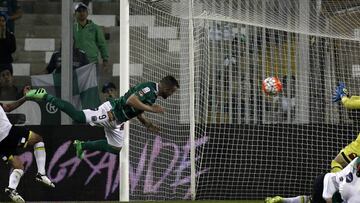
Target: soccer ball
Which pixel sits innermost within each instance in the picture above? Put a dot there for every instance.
(271, 86)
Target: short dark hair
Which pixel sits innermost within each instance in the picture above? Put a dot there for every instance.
(107, 86)
(170, 81)
(6, 66)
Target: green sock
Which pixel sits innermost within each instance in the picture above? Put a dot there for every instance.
(99, 145)
(66, 107)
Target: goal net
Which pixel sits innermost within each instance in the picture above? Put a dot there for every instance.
(248, 145)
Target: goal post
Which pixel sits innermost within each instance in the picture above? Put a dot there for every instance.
(124, 81)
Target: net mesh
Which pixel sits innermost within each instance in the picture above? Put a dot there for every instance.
(249, 145)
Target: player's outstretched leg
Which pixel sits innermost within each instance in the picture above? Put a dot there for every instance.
(64, 106)
(36, 93)
(78, 148)
(97, 145)
(276, 199)
(298, 199)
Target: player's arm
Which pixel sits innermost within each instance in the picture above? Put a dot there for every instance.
(135, 102)
(337, 164)
(341, 93)
(352, 102)
(13, 105)
(148, 124)
(346, 155)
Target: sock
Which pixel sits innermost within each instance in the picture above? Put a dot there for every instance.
(40, 157)
(298, 199)
(15, 177)
(66, 107)
(99, 145)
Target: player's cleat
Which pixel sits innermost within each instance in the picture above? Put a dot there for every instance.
(36, 93)
(340, 92)
(79, 150)
(276, 199)
(44, 179)
(14, 195)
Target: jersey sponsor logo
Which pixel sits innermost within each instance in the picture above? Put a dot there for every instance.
(51, 108)
(93, 118)
(146, 90)
(352, 156)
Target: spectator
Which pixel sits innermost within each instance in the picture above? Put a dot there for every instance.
(79, 60)
(109, 91)
(8, 91)
(286, 102)
(11, 9)
(215, 32)
(89, 37)
(7, 41)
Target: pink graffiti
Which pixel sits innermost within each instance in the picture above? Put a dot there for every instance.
(59, 171)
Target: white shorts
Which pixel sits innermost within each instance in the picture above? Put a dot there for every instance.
(114, 131)
(329, 186)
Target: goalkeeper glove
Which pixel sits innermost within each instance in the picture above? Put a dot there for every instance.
(340, 92)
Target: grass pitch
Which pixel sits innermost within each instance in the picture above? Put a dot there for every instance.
(175, 201)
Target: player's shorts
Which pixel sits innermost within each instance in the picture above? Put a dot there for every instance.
(317, 191)
(114, 131)
(16, 139)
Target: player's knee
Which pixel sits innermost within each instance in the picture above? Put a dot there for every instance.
(34, 138)
(16, 163)
(114, 149)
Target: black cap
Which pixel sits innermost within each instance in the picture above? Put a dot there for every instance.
(107, 86)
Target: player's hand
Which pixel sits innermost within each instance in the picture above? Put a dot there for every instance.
(105, 66)
(26, 89)
(340, 92)
(156, 108)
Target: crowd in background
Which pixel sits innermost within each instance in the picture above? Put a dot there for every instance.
(89, 46)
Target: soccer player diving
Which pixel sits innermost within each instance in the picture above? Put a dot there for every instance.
(112, 114)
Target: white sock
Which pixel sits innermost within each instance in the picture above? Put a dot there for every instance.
(298, 199)
(15, 177)
(40, 157)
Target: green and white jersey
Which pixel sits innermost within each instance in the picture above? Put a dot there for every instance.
(147, 94)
